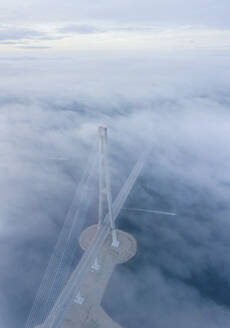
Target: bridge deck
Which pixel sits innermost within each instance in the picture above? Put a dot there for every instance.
(90, 314)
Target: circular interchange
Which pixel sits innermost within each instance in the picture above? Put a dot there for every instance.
(124, 252)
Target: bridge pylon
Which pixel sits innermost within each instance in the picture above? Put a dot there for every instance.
(105, 184)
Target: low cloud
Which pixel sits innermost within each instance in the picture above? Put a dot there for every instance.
(34, 47)
(80, 29)
(19, 35)
(13, 34)
(178, 104)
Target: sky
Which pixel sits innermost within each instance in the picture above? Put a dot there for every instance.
(113, 26)
(157, 74)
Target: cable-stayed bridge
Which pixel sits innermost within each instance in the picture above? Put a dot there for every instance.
(61, 290)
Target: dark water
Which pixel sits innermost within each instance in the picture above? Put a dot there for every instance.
(181, 250)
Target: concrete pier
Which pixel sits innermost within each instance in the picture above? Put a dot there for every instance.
(87, 312)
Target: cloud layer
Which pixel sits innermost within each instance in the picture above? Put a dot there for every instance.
(178, 103)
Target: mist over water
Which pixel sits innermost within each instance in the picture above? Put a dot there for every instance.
(178, 105)
(178, 276)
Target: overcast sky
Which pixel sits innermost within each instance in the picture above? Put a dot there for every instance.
(113, 25)
(207, 12)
